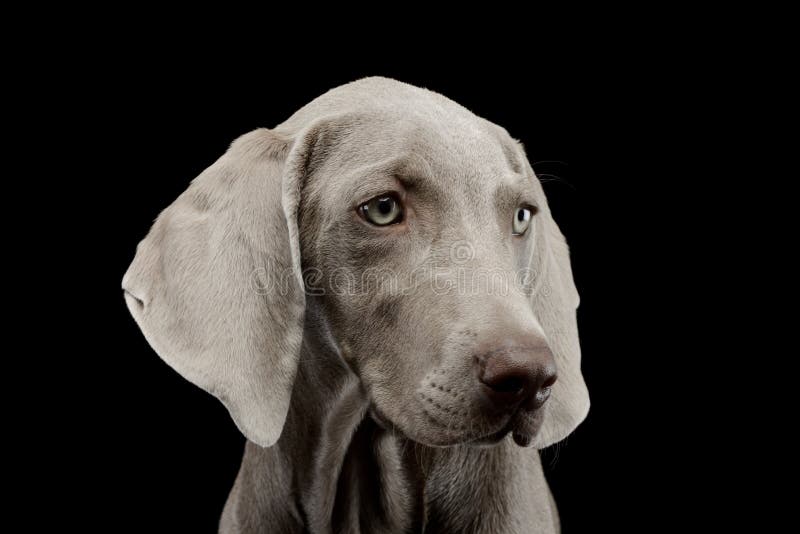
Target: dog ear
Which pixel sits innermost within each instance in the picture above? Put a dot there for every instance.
(216, 286)
(555, 301)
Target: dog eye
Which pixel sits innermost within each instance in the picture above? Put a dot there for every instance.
(522, 219)
(382, 210)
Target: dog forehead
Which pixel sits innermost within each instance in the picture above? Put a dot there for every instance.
(384, 115)
(446, 145)
(379, 126)
(375, 93)
(456, 166)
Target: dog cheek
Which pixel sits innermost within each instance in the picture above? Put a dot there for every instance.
(387, 311)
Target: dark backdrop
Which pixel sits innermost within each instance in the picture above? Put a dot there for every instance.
(168, 453)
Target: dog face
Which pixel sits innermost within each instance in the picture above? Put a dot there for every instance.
(419, 260)
(417, 239)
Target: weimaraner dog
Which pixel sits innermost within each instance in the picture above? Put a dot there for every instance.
(378, 293)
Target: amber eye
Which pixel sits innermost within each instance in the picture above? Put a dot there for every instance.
(382, 210)
(522, 219)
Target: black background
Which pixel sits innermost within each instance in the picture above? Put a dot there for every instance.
(166, 453)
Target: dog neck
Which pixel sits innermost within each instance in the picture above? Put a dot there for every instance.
(335, 468)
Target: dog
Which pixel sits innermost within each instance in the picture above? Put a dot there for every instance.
(378, 293)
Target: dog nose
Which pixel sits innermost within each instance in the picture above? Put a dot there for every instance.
(518, 375)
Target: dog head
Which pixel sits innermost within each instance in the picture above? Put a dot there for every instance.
(410, 235)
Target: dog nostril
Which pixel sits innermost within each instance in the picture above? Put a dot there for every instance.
(511, 384)
(517, 376)
(549, 381)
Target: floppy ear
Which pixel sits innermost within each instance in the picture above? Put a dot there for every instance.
(555, 301)
(196, 287)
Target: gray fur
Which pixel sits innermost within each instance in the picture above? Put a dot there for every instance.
(360, 405)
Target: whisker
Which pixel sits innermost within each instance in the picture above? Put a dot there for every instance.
(535, 163)
(547, 178)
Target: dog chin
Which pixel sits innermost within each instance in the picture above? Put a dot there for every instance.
(522, 425)
(492, 439)
(439, 439)
(522, 437)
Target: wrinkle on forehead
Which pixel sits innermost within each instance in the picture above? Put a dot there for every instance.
(392, 134)
(390, 107)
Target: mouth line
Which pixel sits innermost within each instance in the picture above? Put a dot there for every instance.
(521, 425)
(497, 436)
(511, 424)
(460, 432)
(492, 437)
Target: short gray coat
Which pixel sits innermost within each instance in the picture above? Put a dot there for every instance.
(355, 389)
